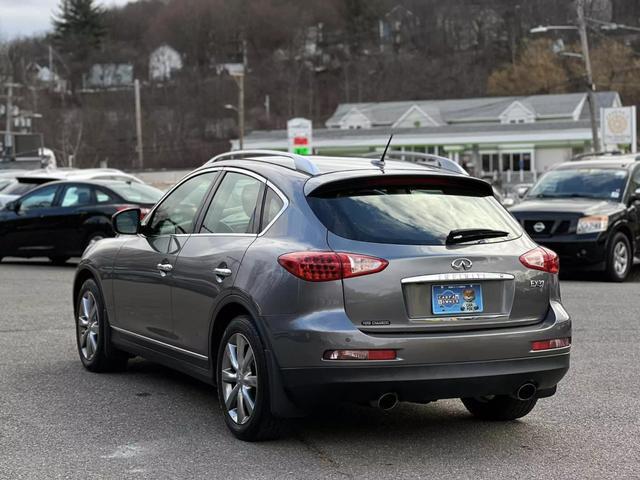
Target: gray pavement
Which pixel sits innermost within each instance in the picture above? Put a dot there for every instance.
(59, 421)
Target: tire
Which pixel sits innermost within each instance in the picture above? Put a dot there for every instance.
(58, 260)
(499, 407)
(619, 258)
(245, 422)
(96, 353)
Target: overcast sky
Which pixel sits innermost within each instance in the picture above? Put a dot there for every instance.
(26, 17)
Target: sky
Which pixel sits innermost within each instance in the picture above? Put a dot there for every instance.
(21, 18)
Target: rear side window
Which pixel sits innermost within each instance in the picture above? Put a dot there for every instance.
(76, 196)
(410, 212)
(272, 206)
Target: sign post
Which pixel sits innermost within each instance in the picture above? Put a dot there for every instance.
(619, 126)
(300, 133)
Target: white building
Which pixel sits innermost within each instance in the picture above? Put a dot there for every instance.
(164, 61)
(520, 136)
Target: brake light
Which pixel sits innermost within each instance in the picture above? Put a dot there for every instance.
(550, 344)
(359, 355)
(542, 259)
(327, 266)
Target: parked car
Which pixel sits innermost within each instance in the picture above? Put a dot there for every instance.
(59, 219)
(30, 180)
(588, 212)
(290, 281)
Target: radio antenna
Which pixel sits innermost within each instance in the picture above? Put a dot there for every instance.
(385, 150)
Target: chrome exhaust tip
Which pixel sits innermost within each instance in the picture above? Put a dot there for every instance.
(387, 401)
(526, 391)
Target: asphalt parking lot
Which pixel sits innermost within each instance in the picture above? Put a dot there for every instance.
(59, 421)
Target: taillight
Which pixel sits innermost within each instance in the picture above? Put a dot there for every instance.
(540, 345)
(327, 266)
(359, 355)
(542, 259)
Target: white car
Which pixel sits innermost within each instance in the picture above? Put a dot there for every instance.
(27, 181)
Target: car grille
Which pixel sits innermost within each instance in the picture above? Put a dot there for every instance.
(551, 227)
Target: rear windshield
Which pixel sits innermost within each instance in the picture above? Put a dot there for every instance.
(136, 192)
(411, 214)
(19, 188)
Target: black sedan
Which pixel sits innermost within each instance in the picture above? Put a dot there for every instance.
(58, 220)
(588, 212)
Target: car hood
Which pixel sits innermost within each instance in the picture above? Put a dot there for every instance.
(583, 206)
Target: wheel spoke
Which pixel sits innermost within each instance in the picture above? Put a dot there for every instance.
(240, 411)
(241, 345)
(231, 355)
(251, 381)
(247, 401)
(231, 400)
(83, 338)
(229, 377)
(247, 360)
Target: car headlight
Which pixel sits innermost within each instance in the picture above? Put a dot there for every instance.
(592, 224)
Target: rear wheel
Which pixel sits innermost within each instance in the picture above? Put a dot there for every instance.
(498, 407)
(620, 258)
(243, 386)
(58, 260)
(91, 330)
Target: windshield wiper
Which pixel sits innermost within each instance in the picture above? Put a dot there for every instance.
(470, 234)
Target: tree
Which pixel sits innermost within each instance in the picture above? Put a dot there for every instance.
(78, 31)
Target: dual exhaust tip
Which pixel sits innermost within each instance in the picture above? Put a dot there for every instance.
(388, 401)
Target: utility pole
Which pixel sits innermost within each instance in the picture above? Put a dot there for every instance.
(240, 82)
(136, 87)
(8, 138)
(584, 42)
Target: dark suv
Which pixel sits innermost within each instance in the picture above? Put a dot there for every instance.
(293, 281)
(588, 212)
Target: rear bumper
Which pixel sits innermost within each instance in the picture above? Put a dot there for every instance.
(423, 383)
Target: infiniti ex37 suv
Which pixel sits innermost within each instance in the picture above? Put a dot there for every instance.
(291, 281)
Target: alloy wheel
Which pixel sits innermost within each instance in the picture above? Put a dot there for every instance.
(88, 326)
(239, 378)
(620, 258)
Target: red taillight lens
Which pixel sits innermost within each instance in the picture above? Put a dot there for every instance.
(359, 355)
(327, 266)
(542, 259)
(550, 344)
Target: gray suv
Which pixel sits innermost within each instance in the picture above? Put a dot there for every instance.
(292, 281)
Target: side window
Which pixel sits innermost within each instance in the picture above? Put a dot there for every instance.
(272, 205)
(76, 196)
(233, 208)
(41, 198)
(177, 213)
(104, 197)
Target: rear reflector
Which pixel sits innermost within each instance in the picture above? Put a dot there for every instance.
(359, 355)
(542, 259)
(550, 344)
(327, 266)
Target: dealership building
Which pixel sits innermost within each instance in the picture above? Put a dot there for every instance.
(515, 138)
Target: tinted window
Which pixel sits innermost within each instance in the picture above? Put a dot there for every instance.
(410, 214)
(19, 188)
(136, 192)
(177, 213)
(42, 198)
(104, 197)
(584, 182)
(233, 207)
(76, 196)
(272, 205)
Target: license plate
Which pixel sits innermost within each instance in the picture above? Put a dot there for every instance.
(456, 299)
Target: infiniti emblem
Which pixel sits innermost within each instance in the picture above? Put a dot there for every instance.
(461, 264)
(538, 227)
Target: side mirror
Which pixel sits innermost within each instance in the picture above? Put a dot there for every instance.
(522, 192)
(635, 196)
(13, 206)
(126, 222)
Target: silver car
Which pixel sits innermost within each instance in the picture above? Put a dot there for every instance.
(292, 281)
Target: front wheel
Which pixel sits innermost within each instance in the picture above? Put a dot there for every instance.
(91, 330)
(243, 386)
(620, 258)
(499, 407)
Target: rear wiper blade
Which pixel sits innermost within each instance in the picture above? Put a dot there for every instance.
(470, 234)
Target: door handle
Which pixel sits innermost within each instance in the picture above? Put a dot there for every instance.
(165, 267)
(222, 272)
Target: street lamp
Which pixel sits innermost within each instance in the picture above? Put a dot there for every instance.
(584, 43)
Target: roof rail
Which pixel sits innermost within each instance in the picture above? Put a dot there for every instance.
(300, 162)
(580, 156)
(442, 163)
